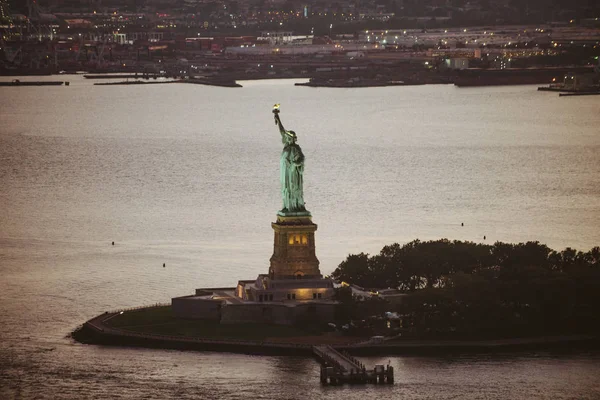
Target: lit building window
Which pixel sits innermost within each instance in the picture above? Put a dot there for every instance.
(298, 239)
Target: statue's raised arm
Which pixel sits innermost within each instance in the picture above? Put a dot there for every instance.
(284, 134)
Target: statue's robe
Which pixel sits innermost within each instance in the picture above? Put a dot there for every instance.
(292, 169)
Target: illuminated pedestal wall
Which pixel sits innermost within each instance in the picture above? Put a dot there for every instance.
(294, 253)
(294, 273)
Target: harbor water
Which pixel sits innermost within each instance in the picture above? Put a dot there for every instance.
(188, 176)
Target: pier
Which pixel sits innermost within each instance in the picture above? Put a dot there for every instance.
(340, 367)
(17, 82)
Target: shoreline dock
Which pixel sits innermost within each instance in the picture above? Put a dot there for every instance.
(17, 82)
(136, 82)
(338, 367)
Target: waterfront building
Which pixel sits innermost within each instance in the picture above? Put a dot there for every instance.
(276, 37)
(457, 63)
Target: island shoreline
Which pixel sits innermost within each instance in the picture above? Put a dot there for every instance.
(95, 331)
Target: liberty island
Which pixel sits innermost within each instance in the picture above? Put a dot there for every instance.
(282, 311)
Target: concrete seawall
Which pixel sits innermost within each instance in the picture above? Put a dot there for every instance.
(96, 331)
(432, 347)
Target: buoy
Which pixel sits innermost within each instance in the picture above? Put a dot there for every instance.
(113, 243)
(164, 265)
(484, 238)
(462, 224)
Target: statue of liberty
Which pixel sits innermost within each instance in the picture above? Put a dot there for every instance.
(292, 169)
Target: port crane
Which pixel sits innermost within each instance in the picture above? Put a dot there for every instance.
(35, 21)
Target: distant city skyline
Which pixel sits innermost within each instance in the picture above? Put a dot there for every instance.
(386, 12)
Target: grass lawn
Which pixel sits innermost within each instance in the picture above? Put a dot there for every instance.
(160, 320)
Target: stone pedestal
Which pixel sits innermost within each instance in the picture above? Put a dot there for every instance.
(294, 275)
(294, 248)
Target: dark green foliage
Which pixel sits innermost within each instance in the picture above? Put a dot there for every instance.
(466, 289)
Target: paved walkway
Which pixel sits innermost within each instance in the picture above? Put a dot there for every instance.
(228, 297)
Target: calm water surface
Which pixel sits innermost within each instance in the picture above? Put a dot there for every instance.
(188, 175)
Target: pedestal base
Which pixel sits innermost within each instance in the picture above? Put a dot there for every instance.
(282, 213)
(294, 247)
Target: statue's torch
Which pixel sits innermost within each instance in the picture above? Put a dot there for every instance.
(276, 112)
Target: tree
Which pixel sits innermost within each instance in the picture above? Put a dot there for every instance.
(474, 289)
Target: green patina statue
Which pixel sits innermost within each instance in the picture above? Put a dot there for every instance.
(292, 168)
